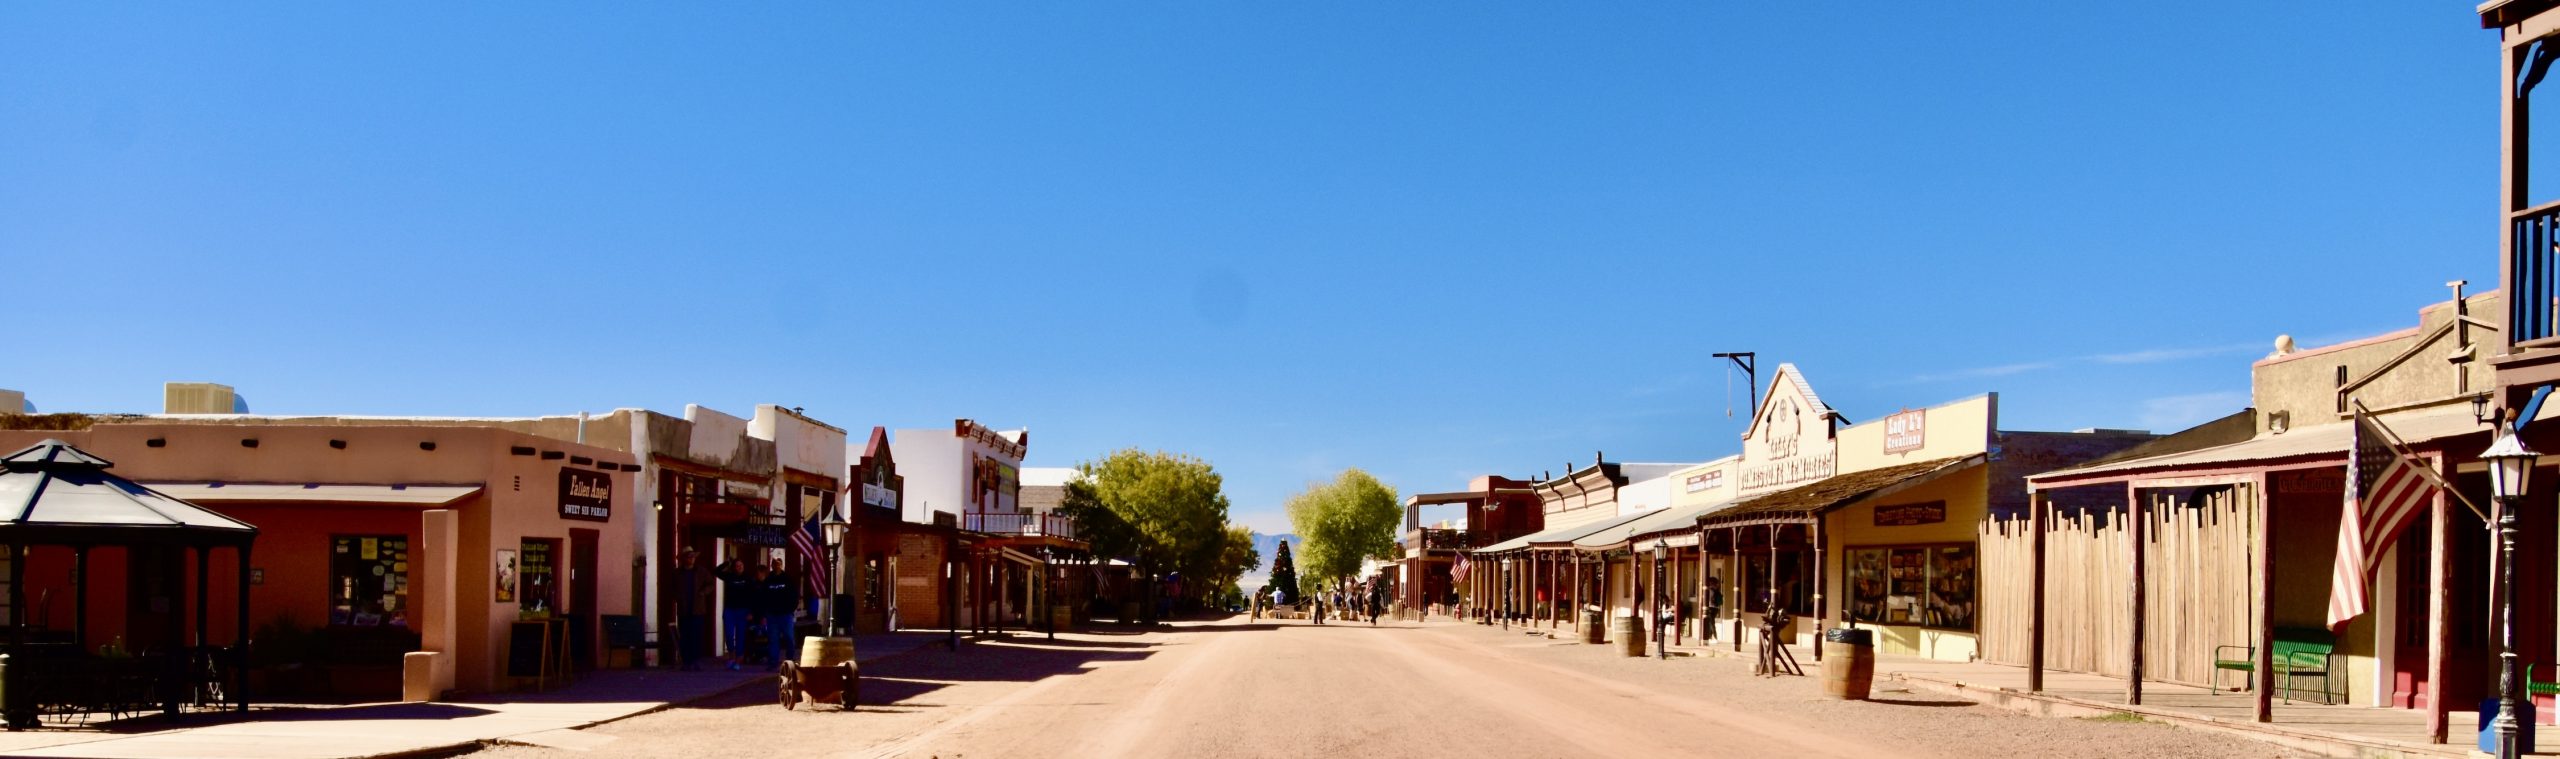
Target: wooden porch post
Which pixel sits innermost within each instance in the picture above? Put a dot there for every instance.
(1705, 619)
(1775, 603)
(204, 594)
(2262, 548)
(1733, 544)
(240, 640)
(1821, 583)
(2135, 524)
(2439, 609)
(2037, 521)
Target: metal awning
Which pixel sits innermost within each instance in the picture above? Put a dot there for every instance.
(1800, 505)
(1552, 538)
(405, 495)
(2300, 443)
(1676, 527)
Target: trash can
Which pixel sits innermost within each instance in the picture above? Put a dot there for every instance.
(1848, 663)
(1629, 632)
(2524, 725)
(1594, 627)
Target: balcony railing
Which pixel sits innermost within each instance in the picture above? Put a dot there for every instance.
(1436, 539)
(2533, 273)
(1022, 524)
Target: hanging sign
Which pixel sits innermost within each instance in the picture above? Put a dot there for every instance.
(585, 495)
(1932, 512)
(1906, 431)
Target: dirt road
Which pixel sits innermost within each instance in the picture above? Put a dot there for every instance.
(1236, 689)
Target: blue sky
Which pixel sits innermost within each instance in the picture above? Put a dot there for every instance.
(1428, 239)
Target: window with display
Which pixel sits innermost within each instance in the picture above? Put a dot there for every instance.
(1923, 585)
(369, 581)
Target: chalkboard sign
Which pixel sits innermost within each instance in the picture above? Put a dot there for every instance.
(527, 641)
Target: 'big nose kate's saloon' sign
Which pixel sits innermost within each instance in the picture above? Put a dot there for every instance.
(585, 495)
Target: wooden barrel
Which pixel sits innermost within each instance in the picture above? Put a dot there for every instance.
(1629, 632)
(1594, 630)
(816, 651)
(1848, 664)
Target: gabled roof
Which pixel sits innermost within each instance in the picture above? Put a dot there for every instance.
(1794, 377)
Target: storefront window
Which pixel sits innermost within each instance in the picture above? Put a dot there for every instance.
(1791, 589)
(537, 592)
(369, 581)
(1924, 585)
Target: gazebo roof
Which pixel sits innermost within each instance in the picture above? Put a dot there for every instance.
(56, 494)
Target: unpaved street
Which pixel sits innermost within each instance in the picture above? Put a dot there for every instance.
(1232, 688)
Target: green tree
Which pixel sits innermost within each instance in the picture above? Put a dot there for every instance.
(1235, 557)
(1166, 511)
(1343, 522)
(1284, 575)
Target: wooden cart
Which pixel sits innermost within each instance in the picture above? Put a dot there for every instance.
(836, 684)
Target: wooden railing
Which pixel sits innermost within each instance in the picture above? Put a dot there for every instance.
(1437, 539)
(1025, 524)
(2533, 273)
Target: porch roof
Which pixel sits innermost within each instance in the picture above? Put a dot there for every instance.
(1560, 535)
(2313, 443)
(1802, 503)
(1682, 520)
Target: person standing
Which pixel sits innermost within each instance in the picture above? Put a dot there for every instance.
(738, 589)
(695, 591)
(1377, 603)
(780, 608)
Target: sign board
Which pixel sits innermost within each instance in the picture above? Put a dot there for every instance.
(1705, 481)
(585, 494)
(1906, 431)
(1932, 512)
(874, 495)
(1790, 442)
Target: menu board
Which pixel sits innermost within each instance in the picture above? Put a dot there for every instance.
(369, 580)
(1925, 585)
(537, 594)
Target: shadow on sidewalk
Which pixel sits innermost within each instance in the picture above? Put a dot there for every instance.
(889, 685)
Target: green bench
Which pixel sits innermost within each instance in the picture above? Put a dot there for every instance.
(2300, 652)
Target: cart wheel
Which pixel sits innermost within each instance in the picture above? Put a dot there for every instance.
(790, 677)
(851, 685)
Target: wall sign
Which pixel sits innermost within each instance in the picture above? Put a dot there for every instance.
(1932, 512)
(1906, 431)
(1705, 481)
(585, 495)
(874, 495)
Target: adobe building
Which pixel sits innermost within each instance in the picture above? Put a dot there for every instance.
(378, 537)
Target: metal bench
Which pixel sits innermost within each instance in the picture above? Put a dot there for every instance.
(2300, 652)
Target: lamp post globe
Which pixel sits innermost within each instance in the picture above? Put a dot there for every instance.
(2510, 472)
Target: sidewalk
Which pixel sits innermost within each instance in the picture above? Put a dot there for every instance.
(398, 729)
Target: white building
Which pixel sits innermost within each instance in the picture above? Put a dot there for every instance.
(964, 468)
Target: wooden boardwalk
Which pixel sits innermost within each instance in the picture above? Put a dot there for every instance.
(2349, 730)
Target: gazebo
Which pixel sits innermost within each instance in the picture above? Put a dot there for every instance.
(53, 494)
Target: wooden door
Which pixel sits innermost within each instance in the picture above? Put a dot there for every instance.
(582, 597)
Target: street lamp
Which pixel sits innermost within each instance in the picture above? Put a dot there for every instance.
(1661, 643)
(2510, 470)
(1506, 592)
(833, 528)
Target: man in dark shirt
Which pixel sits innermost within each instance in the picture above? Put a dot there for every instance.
(737, 603)
(693, 600)
(780, 607)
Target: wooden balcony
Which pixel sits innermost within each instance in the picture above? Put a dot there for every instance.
(1019, 524)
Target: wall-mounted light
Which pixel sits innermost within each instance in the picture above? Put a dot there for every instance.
(2480, 409)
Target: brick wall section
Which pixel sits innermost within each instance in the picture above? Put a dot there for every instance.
(919, 581)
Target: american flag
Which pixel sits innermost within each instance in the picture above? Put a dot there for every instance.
(804, 541)
(2386, 488)
(1459, 573)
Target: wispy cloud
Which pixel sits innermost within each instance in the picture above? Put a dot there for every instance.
(2143, 356)
(2171, 413)
(2157, 355)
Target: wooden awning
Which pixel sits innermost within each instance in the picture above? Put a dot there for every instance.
(1800, 505)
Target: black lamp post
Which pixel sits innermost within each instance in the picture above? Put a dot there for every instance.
(833, 528)
(1661, 642)
(2510, 470)
(1506, 592)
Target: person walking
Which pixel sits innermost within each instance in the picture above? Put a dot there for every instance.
(780, 609)
(696, 591)
(738, 590)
